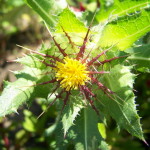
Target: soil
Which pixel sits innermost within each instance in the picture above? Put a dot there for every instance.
(9, 51)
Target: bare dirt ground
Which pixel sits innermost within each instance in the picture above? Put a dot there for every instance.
(9, 51)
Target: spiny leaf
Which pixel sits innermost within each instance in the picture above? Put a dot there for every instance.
(140, 57)
(71, 111)
(121, 106)
(125, 21)
(120, 8)
(22, 90)
(34, 60)
(125, 31)
(31, 61)
(84, 134)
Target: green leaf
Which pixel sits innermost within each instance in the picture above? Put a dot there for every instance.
(102, 130)
(29, 121)
(31, 61)
(124, 22)
(121, 105)
(86, 131)
(140, 57)
(83, 135)
(69, 22)
(71, 111)
(123, 32)
(34, 60)
(23, 90)
(47, 9)
(72, 26)
(120, 8)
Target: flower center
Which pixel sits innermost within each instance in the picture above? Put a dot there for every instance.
(71, 74)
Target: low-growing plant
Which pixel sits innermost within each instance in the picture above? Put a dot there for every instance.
(87, 71)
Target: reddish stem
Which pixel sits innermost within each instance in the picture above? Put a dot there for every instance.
(101, 86)
(96, 58)
(108, 60)
(93, 106)
(69, 38)
(51, 81)
(84, 60)
(87, 92)
(82, 48)
(47, 64)
(46, 55)
(6, 142)
(57, 96)
(60, 49)
(65, 101)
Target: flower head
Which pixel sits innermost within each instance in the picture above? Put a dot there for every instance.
(76, 73)
(71, 74)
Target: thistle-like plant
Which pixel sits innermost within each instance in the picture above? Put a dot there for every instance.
(84, 71)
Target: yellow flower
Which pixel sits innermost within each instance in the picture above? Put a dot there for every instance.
(71, 74)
